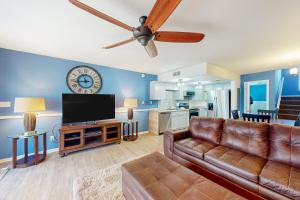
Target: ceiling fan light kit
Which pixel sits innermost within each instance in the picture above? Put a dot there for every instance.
(147, 32)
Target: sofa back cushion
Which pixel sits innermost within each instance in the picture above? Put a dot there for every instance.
(209, 129)
(285, 144)
(249, 137)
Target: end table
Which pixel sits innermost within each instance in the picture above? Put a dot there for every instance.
(34, 159)
(132, 125)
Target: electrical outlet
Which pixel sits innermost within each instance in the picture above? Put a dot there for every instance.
(52, 139)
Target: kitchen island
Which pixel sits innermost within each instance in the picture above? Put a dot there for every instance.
(161, 120)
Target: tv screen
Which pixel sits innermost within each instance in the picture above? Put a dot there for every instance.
(87, 107)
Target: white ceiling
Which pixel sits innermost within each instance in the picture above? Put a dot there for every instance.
(241, 35)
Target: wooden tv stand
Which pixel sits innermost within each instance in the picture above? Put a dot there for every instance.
(84, 136)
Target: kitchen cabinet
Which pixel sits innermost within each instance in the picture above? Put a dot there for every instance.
(179, 120)
(200, 95)
(157, 90)
(180, 94)
(161, 120)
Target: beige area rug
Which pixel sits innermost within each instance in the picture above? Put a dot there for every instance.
(105, 184)
(3, 172)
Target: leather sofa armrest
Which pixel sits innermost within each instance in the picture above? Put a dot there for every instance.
(170, 138)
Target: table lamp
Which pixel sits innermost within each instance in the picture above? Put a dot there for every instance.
(29, 106)
(130, 103)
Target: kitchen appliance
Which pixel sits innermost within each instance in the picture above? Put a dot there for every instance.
(87, 107)
(194, 112)
(164, 121)
(183, 105)
(219, 103)
(189, 93)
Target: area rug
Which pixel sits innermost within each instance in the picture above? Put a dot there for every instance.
(105, 184)
(3, 172)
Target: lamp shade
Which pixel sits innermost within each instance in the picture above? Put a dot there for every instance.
(130, 103)
(29, 104)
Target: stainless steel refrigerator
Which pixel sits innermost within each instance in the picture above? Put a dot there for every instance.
(219, 103)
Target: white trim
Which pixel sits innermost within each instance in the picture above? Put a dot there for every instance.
(59, 114)
(247, 85)
(4, 160)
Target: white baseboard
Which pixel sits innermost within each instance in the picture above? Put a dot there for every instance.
(4, 160)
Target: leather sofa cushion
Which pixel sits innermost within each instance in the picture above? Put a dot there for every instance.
(157, 177)
(281, 178)
(194, 147)
(209, 129)
(249, 137)
(285, 144)
(237, 162)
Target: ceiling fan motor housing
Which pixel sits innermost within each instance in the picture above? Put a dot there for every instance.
(143, 34)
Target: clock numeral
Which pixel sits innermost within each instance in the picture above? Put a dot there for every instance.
(74, 85)
(96, 86)
(85, 71)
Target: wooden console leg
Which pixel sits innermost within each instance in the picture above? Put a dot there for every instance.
(36, 150)
(26, 149)
(14, 153)
(44, 146)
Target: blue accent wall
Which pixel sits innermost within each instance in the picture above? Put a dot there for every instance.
(268, 75)
(258, 92)
(290, 85)
(24, 74)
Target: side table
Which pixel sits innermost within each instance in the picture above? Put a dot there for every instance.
(34, 159)
(132, 130)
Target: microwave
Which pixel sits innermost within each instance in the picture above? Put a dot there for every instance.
(189, 93)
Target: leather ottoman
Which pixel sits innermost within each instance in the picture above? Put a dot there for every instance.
(156, 177)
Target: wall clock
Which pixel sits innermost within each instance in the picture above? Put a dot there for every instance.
(84, 80)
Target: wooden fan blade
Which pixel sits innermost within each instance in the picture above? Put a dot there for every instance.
(181, 37)
(160, 13)
(119, 43)
(151, 49)
(101, 15)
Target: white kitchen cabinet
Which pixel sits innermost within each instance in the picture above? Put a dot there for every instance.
(200, 95)
(179, 120)
(180, 94)
(157, 90)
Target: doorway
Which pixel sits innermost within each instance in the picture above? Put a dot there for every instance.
(256, 96)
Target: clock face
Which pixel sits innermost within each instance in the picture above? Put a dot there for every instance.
(84, 80)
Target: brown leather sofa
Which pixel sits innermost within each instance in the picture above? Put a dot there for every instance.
(262, 158)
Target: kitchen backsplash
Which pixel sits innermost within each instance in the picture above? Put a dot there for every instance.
(169, 102)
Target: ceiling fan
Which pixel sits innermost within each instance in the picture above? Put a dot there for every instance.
(147, 32)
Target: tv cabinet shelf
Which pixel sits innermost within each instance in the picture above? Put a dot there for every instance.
(84, 136)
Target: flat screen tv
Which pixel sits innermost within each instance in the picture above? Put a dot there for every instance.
(87, 107)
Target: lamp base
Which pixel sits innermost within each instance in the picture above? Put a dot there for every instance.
(29, 121)
(130, 113)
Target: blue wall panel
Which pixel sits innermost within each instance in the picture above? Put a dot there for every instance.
(268, 75)
(24, 74)
(258, 92)
(291, 84)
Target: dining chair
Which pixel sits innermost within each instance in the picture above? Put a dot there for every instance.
(297, 122)
(256, 117)
(235, 114)
(272, 113)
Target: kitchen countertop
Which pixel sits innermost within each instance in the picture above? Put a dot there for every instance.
(160, 110)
